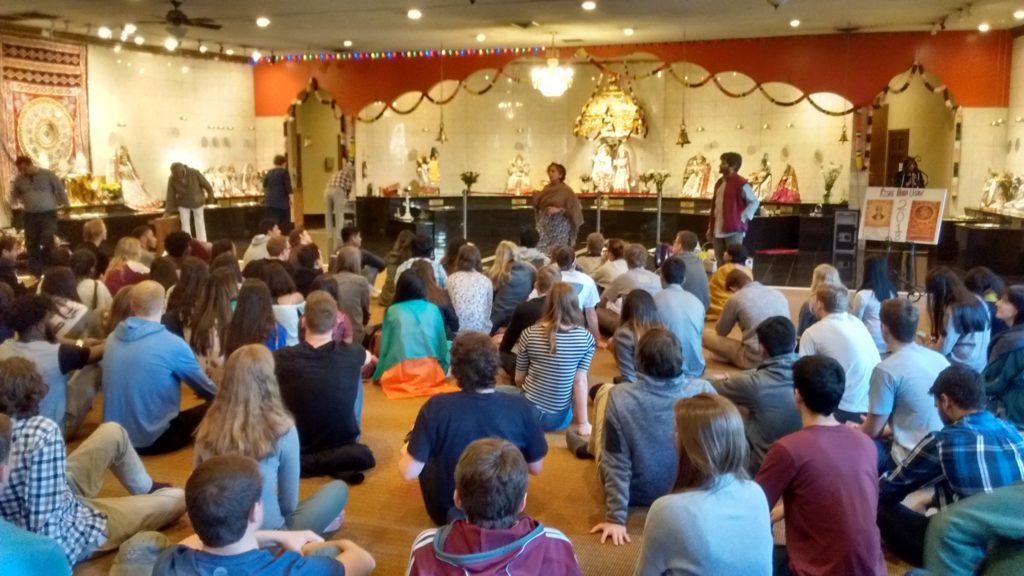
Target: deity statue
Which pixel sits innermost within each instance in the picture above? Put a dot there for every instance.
(518, 176)
(133, 191)
(997, 191)
(696, 177)
(434, 168)
(623, 166)
(788, 190)
(1015, 200)
(602, 172)
(423, 172)
(761, 181)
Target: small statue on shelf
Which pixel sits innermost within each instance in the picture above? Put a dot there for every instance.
(434, 168)
(133, 191)
(518, 176)
(761, 181)
(602, 172)
(1015, 199)
(788, 189)
(997, 190)
(423, 172)
(623, 165)
(696, 177)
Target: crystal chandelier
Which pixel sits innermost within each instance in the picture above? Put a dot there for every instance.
(552, 80)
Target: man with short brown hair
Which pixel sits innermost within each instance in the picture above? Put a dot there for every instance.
(278, 250)
(41, 193)
(321, 384)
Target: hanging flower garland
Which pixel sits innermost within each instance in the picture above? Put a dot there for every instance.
(460, 85)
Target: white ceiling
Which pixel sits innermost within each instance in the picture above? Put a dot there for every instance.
(373, 25)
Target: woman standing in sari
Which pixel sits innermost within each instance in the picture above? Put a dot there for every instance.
(559, 215)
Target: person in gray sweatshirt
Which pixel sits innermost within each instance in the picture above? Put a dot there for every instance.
(639, 458)
(41, 193)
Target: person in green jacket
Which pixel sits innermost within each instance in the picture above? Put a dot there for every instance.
(982, 534)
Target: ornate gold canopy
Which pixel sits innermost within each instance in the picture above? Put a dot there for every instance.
(611, 113)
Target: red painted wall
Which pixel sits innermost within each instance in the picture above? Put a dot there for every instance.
(974, 66)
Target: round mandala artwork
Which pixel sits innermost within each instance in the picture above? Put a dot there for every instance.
(45, 131)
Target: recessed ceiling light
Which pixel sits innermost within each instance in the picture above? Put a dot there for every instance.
(481, 37)
(414, 14)
(794, 23)
(230, 52)
(347, 43)
(185, 69)
(129, 28)
(588, 5)
(104, 32)
(140, 40)
(117, 48)
(256, 56)
(1018, 15)
(171, 43)
(203, 48)
(628, 31)
(263, 21)
(984, 27)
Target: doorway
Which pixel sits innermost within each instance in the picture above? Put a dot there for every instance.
(897, 150)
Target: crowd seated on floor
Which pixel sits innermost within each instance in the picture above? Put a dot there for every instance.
(868, 436)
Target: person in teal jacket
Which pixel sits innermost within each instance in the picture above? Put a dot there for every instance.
(982, 534)
(1004, 375)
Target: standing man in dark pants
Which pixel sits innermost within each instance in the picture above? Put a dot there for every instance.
(41, 194)
(277, 187)
(733, 206)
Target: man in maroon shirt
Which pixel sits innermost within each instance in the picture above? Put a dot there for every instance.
(827, 477)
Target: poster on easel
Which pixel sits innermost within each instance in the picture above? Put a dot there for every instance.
(902, 214)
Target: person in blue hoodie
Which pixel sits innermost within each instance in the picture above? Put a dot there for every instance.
(143, 369)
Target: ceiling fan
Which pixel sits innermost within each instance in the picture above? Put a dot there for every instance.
(178, 22)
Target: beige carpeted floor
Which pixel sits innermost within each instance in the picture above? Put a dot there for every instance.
(385, 513)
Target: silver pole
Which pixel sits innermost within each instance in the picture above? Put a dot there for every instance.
(597, 204)
(465, 213)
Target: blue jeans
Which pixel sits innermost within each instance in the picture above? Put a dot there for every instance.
(318, 511)
(549, 421)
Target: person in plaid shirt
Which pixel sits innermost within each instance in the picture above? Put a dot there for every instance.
(55, 495)
(974, 453)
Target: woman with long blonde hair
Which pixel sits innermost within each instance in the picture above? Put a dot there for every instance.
(513, 282)
(716, 520)
(247, 417)
(552, 359)
(126, 267)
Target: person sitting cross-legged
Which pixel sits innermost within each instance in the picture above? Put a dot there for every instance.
(223, 500)
(716, 520)
(143, 368)
(982, 534)
(767, 391)
(321, 385)
(249, 393)
(826, 476)
(750, 304)
(637, 466)
(24, 552)
(974, 453)
(841, 335)
(447, 423)
(527, 314)
(899, 387)
(495, 537)
(56, 495)
(637, 276)
(257, 249)
(682, 312)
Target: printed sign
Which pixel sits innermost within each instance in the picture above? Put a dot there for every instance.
(902, 214)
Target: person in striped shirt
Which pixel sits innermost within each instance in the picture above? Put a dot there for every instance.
(552, 359)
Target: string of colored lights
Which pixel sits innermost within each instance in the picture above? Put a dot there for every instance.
(395, 54)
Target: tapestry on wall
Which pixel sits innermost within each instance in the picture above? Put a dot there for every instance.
(44, 109)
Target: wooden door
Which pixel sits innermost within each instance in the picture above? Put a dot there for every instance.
(898, 148)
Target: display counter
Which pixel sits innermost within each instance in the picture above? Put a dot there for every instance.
(496, 217)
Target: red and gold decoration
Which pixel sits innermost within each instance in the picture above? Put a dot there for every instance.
(611, 113)
(43, 103)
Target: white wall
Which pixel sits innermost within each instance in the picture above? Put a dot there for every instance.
(486, 131)
(983, 147)
(202, 115)
(1015, 130)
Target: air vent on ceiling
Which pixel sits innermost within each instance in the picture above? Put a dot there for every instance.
(21, 16)
(525, 25)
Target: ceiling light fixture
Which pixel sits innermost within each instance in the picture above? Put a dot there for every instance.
(203, 49)
(256, 56)
(481, 37)
(140, 40)
(263, 21)
(628, 31)
(414, 14)
(794, 23)
(117, 48)
(129, 29)
(105, 33)
(230, 52)
(1018, 15)
(589, 6)
(984, 27)
(552, 80)
(347, 43)
(184, 70)
(171, 44)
